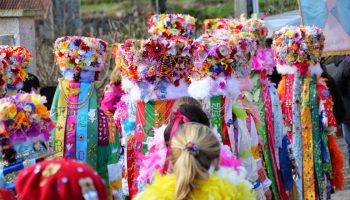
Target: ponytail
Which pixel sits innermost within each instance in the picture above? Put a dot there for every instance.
(194, 149)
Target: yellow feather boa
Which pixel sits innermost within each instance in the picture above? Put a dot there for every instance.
(215, 187)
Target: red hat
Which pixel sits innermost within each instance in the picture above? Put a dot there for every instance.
(6, 194)
(60, 179)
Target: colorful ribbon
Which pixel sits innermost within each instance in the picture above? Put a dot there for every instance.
(82, 120)
(307, 143)
(317, 152)
(296, 131)
(92, 134)
(70, 134)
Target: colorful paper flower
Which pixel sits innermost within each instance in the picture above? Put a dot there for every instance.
(254, 26)
(155, 60)
(168, 25)
(223, 54)
(264, 60)
(80, 53)
(24, 116)
(298, 47)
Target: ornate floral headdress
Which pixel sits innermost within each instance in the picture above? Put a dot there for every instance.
(17, 58)
(256, 27)
(76, 53)
(298, 48)
(24, 116)
(155, 59)
(217, 54)
(168, 25)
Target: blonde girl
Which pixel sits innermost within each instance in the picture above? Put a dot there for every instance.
(195, 153)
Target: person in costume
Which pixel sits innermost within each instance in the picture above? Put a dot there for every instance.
(109, 154)
(60, 179)
(307, 109)
(195, 154)
(25, 128)
(158, 157)
(17, 58)
(154, 74)
(75, 108)
(242, 135)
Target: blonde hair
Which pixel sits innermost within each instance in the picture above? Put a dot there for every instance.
(188, 166)
(115, 76)
(186, 100)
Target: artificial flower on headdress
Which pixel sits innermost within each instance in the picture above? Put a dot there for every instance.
(223, 54)
(298, 47)
(24, 116)
(168, 25)
(155, 60)
(254, 26)
(17, 58)
(264, 60)
(80, 53)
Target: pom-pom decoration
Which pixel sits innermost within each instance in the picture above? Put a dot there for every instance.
(169, 25)
(24, 117)
(80, 53)
(264, 60)
(17, 58)
(298, 47)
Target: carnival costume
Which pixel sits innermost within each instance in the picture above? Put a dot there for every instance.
(74, 107)
(154, 73)
(308, 111)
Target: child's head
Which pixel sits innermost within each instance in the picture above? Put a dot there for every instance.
(194, 149)
(186, 100)
(185, 113)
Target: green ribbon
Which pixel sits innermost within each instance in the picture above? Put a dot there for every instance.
(321, 184)
(149, 123)
(264, 141)
(215, 113)
(54, 116)
(92, 130)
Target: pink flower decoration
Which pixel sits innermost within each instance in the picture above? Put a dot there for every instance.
(264, 60)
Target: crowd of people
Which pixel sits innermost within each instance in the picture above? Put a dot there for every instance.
(181, 118)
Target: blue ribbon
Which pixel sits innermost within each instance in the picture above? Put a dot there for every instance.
(82, 123)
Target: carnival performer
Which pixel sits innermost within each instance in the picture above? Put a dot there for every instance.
(195, 154)
(109, 153)
(241, 133)
(307, 111)
(75, 108)
(25, 127)
(60, 179)
(17, 58)
(154, 74)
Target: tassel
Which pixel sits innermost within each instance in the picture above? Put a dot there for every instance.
(337, 179)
